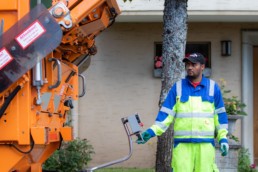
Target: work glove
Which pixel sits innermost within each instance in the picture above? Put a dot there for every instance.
(145, 137)
(224, 149)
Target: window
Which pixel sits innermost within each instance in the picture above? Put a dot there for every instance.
(157, 60)
(201, 47)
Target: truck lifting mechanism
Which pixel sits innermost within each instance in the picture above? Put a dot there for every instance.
(40, 52)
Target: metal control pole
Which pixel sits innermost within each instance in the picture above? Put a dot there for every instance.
(134, 123)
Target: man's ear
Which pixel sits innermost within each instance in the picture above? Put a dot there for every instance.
(202, 66)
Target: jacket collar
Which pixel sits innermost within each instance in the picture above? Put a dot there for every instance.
(203, 82)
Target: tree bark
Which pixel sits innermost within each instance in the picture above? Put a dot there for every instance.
(173, 52)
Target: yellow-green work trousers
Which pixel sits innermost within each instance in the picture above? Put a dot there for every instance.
(194, 157)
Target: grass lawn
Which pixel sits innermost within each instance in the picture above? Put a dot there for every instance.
(125, 170)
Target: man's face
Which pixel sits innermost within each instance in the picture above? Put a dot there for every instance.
(194, 70)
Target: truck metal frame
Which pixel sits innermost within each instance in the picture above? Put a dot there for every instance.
(40, 52)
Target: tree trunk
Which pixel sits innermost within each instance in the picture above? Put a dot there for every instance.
(173, 52)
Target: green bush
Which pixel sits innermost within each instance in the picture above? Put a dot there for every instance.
(125, 170)
(244, 162)
(232, 104)
(73, 156)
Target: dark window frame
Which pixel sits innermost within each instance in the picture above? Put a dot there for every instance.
(191, 47)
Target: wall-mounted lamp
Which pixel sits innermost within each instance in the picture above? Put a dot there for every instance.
(226, 47)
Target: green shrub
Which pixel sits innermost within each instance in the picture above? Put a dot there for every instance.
(232, 104)
(73, 156)
(244, 162)
(125, 170)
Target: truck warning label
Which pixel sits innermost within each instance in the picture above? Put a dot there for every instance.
(30, 34)
(5, 58)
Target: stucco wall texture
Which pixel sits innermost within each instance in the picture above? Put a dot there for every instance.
(120, 83)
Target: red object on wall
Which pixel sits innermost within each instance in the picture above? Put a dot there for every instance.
(157, 62)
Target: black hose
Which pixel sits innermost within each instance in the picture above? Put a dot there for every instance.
(8, 100)
(25, 152)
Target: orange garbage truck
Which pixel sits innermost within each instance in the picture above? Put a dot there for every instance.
(41, 49)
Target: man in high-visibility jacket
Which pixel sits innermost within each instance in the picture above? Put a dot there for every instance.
(196, 104)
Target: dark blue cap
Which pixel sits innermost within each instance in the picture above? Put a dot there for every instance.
(195, 58)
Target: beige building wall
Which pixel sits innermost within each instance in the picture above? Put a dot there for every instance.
(120, 83)
(198, 11)
(193, 5)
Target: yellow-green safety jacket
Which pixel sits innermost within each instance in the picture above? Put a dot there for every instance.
(199, 113)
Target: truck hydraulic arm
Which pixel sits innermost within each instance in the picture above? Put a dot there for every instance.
(40, 51)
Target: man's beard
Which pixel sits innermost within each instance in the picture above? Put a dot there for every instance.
(192, 77)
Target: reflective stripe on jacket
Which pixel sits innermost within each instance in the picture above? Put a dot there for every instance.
(198, 112)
